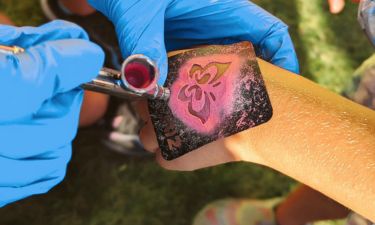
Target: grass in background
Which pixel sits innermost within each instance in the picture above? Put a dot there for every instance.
(321, 45)
(23, 12)
(102, 187)
(105, 188)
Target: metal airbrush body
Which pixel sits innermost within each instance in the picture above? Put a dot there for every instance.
(136, 80)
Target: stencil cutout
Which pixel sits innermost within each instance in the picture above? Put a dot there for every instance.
(216, 91)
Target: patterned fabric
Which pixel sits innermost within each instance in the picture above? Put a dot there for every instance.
(238, 212)
(256, 212)
(353, 219)
(362, 89)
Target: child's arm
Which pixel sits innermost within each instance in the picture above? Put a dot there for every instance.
(315, 136)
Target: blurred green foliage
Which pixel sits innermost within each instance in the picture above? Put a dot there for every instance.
(23, 12)
(103, 188)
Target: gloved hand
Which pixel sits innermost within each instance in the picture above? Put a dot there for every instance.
(145, 26)
(40, 104)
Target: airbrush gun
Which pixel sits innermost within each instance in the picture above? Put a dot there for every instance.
(136, 80)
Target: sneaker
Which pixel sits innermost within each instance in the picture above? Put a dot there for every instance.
(99, 28)
(256, 212)
(122, 130)
(238, 212)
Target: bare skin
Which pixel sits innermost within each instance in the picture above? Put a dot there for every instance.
(315, 136)
(306, 205)
(5, 20)
(336, 6)
(94, 107)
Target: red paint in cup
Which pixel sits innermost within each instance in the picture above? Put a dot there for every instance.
(139, 75)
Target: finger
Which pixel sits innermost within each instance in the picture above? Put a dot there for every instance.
(23, 178)
(208, 22)
(139, 34)
(26, 37)
(53, 126)
(148, 137)
(336, 6)
(206, 156)
(44, 71)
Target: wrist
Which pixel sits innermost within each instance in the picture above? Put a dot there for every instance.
(256, 145)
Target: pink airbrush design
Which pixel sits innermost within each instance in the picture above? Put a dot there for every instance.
(203, 94)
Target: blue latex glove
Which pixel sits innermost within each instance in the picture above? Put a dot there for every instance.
(40, 104)
(145, 26)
